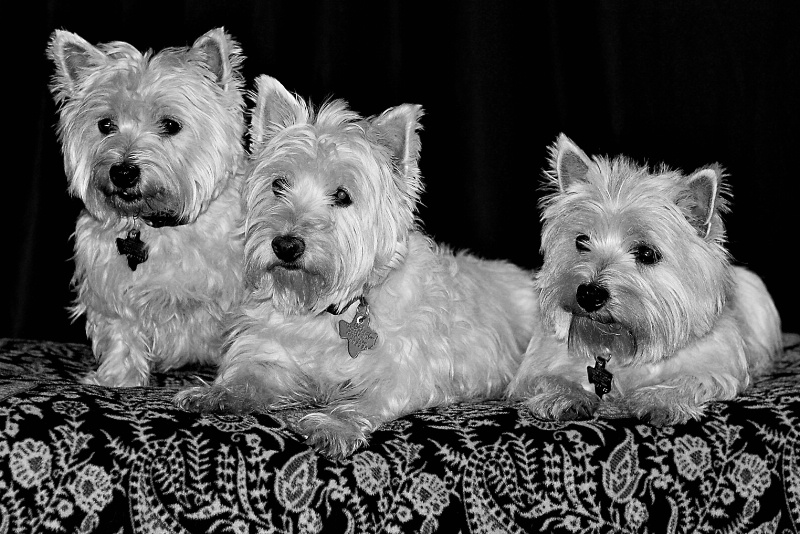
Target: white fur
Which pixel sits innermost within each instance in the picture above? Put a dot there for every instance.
(702, 327)
(450, 326)
(186, 203)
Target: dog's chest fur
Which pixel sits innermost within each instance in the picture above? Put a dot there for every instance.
(193, 268)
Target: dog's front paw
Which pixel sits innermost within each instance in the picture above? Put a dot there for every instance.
(659, 416)
(217, 399)
(91, 379)
(662, 407)
(334, 435)
(557, 398)
(121, 362)
(129, 380)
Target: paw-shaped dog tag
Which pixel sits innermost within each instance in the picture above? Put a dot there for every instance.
(133, 248)
(358, 334)
(600, 377)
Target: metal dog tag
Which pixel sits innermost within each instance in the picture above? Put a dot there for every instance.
(133, 248)
(357, 332)
(600, 377)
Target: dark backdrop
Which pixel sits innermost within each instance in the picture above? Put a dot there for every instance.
(687, 83)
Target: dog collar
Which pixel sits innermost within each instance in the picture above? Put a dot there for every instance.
(160, 220)
(333, 309)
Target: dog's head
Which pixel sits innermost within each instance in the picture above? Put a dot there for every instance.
(635, 265)
(154, 136)
(331, 198)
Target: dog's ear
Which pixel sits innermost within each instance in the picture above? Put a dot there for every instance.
(705, 199)
(397, 129)
(222, 55)
(275, 109)
(569, 163)
(74, 58)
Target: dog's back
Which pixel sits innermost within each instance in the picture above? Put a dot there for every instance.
(759, 323)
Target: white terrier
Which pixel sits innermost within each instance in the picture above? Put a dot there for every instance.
(353, 308)
(639, 295)
(152, 145)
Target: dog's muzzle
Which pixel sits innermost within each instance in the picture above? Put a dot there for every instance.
(610, 340)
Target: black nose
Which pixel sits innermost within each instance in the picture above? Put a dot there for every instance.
(288, 247)
(124, 175)
(591, 296)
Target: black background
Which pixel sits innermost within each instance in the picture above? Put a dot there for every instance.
(686, 83)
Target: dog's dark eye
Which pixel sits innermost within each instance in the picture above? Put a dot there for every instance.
(342, 198)
(582, 243)
(106, 126)
(646, 254)
(169, 126)
(279, 186)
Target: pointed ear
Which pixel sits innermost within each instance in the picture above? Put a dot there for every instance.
(221, 54)
(275, 109)
(397, 129)
(570, 163)
(73, 57)
(704, 189)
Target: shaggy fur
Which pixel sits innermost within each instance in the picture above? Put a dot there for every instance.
(449, 327)
(154, 144)
(636, 272)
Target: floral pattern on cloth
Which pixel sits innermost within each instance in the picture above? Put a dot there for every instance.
(77, 458)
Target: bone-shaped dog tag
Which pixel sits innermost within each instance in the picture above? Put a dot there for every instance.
(600, 377)
(357, 332)
(133, 248)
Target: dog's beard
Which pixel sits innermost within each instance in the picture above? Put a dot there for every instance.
(157, 209)
(161, 196)
(297, 291)
(590, 339)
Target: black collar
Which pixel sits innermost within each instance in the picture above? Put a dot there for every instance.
(162, 219)
(334, 310)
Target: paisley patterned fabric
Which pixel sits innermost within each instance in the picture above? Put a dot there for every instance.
(77, 458)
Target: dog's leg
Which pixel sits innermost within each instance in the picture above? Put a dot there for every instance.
(123, 358)
(556, 397)
(348, 416)
(549, 381)
(338, 430)
(665, 404)
(248, 386)
(680, 399)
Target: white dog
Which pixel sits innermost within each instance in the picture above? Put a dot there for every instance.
(639, 295)
(152, 146)
(353, 307)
